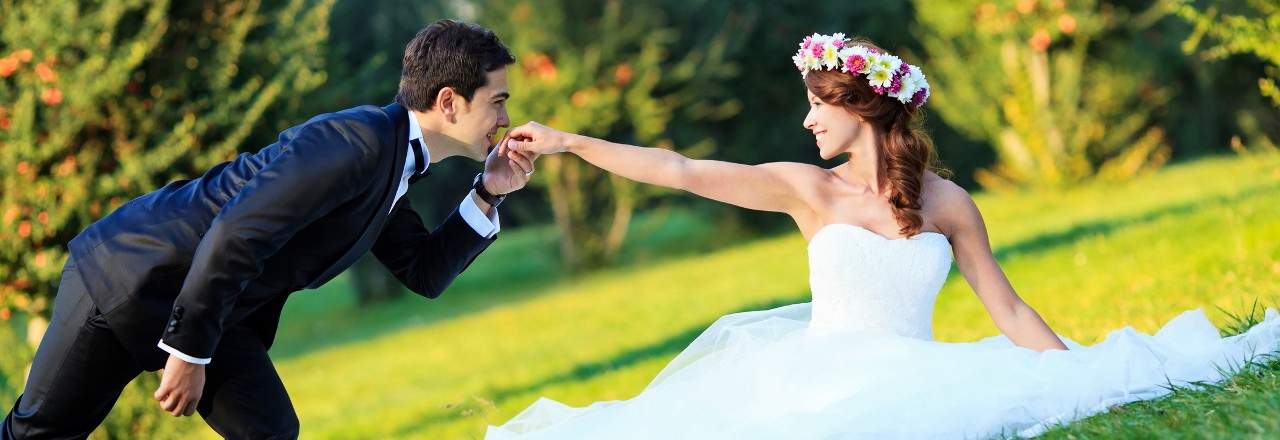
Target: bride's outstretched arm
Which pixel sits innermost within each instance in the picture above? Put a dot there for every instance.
(773, 187)
(968, 235)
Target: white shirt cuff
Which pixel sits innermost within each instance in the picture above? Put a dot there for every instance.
(183, 356)
(486, 226)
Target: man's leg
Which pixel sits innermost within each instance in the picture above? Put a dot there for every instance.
(243, 396)
(78, 372)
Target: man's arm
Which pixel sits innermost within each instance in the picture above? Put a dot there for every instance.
(428, 261)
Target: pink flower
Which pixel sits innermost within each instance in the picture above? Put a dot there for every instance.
(855, 63)
(808, 41)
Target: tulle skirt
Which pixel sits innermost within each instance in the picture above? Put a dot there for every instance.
(767, 375)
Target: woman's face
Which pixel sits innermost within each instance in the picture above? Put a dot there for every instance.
(834, 128)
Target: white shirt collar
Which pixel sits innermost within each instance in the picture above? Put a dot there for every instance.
(415, 132)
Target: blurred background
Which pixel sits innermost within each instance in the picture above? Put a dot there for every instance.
(1123, 153)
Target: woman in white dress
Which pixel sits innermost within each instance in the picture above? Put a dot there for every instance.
(859, 360)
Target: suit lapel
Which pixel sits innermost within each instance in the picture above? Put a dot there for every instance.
(400, 119)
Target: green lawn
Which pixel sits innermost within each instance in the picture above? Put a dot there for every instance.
(1205, 234)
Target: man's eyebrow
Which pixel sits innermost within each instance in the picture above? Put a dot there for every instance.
(503, 95)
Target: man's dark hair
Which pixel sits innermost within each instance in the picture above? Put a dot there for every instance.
(448, 54)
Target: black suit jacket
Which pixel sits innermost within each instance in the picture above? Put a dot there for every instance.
(191, 259)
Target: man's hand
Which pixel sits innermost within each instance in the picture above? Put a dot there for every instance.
(507, 170)
(181, 384)
(535, 138)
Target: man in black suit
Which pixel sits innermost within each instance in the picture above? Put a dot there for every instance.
(192, 277)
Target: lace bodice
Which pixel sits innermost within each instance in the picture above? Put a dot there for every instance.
(862, 280)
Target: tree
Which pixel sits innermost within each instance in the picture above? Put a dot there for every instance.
(103, 101)
(605, 69)
(1255, 30)
(1058, 88)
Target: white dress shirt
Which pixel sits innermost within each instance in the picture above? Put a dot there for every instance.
(485, 225)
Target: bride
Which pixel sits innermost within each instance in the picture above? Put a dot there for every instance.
(859, 360)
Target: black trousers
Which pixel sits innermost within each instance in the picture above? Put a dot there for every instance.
(80, 369)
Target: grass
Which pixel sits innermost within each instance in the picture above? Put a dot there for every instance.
(1093, 259)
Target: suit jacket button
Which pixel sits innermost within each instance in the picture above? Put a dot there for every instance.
(178, 311)
(173, 322)
(173, 329)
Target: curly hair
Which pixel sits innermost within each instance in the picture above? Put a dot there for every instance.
(906, 151)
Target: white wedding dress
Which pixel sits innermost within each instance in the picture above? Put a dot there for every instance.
(859, 362)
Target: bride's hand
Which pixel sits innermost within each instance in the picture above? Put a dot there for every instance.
(536, 138)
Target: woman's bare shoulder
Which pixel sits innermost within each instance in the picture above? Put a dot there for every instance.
(946, 203)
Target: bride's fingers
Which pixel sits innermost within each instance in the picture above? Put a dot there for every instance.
(516, 168)
(521, 159)
(520, 162)
(523, 145)
(524, 157)
(527, 154)
(515, 144)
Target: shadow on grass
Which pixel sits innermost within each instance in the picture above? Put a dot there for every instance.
(1069, 235)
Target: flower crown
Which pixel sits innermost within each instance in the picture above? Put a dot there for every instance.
(887, 74)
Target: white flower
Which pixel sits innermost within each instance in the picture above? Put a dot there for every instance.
(888, 62)
(923, 83)
(830, 55)
(873, 59)
(880, 77)
(911, 82)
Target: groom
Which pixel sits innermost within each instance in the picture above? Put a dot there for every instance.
(192, 277)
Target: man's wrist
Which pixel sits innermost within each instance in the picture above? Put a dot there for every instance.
(484, 206)
(175, 353)
(490, 192)
(481, 189)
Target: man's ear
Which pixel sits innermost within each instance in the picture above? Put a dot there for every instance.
(447, 101)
